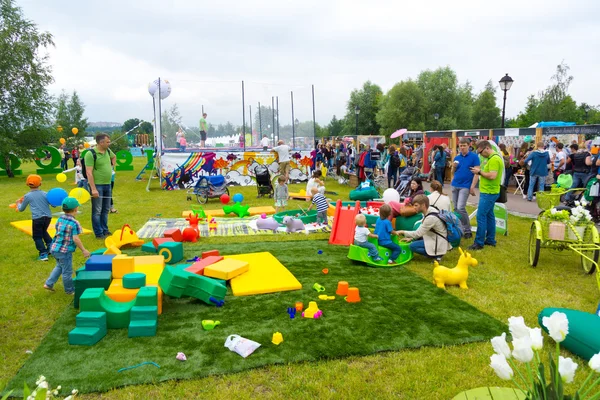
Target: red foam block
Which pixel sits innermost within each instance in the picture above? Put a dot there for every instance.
(198, 267)
(210, 253)
(174, 234)
(158, 241)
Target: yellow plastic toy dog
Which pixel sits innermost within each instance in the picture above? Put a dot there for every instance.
(458, 275)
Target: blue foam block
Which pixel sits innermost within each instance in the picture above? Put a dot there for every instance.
(99, 262)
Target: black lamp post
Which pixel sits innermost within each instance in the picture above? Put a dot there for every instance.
(586, 108)
(505, 84)
(437, 118)
(357, 111)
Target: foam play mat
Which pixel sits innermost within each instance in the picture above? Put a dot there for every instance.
(265, 275)
(25, 226)
(230, 226)
(220, 213)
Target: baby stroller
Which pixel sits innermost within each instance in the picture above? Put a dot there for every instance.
(263, 181)
(212, 186)
(403, 186)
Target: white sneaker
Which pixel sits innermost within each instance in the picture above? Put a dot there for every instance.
(524, 196)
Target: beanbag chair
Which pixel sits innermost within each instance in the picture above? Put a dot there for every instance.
(584, 331)
(364, 194)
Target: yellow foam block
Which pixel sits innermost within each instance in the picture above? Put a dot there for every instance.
(152, 271)
(117, 292)
(25, 226)
(226, 269)
(113, 250)
(145, 260)
(122, 264)
(265, 275)
(301, 195)
(220, 213)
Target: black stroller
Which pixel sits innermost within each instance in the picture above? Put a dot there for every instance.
(263, 181)
(403, 186)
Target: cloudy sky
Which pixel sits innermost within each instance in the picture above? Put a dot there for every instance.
(109, 50)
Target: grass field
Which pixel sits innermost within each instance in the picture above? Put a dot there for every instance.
(501, 285)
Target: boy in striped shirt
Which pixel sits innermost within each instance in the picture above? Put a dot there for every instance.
(66, 240)
(319, 200)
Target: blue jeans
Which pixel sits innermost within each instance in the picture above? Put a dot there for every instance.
(39, 233)
(578, 181)
(373, 253)
(418, 246)
(64, 267)
(83, 184)
(460, 196)
(508, 172)
(486, 221)
(100, 210)
(394, 248)
(439, 174)
(533, 180)
(392, 176)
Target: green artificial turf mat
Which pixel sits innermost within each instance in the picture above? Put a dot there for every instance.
(398, 310)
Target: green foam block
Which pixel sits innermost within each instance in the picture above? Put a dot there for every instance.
(134, 280)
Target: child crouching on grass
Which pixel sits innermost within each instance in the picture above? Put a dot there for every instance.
(68, 230)
(383, 230)
(319, 200)
(361, 233)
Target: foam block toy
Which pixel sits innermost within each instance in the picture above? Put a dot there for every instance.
(220, 213)
(134, 280)
(122, 237)
(364, 194)
(177, 283)
(189, 235)
(149, 247)
(265, 275)
(143, 321)
(237, 209)
(174, 234)
(158, 241)
(198, 267)
(90, 279)
(121, 265)
(90, 328)
(117, 313)
(458, 275)
(171, 251)
(226, 269)
(210, 253)
(99, 251)
(583, 338)
(25, 226)
(99, 263)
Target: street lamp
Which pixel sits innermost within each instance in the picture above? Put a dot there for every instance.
(586, 108)
(437, 117)
(505, 84)
(357, 111)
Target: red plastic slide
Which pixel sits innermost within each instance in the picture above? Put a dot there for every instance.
(342, 232)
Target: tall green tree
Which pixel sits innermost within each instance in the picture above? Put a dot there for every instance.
(441, 91)
(25, 105)
(368, 99)
(530, 115)
(68, 114)
(335, 127)
(403, 106)
(464, 106)
(170, 122)
(486, 114)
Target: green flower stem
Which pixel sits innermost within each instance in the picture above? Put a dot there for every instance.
(530, 375)
(518, 386)
(557, 377)
(537, 372)
(590, 389)
(586, 381)
(597, 396)
(514, 367)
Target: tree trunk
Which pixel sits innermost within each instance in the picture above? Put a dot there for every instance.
(9, 171)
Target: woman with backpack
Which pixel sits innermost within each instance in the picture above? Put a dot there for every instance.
(437, 198)
(403, 159)
(393, 165)
(439, 159)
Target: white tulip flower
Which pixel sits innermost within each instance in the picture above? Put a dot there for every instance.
(537, 340)
(500, 346)
(566, 369)
(522, 350)
(501, 367)
(557, 325)
(517, 327)
(595, 362)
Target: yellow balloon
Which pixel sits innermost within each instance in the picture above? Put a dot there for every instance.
(86, 145)
(59, 128)
(82, 195)
(61, 177)
(74, 130)
(62, 140)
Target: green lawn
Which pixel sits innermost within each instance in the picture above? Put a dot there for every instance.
(501, 285)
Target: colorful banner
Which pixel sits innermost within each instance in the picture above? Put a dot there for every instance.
(184, 169)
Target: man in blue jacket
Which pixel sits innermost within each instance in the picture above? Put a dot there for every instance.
(538, 170)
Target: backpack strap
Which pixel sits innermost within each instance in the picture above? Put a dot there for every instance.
(436, 232)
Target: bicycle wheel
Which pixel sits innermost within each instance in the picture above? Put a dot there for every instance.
(534, 245)
(202, 196)
(588, 237)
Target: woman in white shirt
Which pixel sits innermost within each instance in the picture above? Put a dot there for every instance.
(315, 181)
(438, 199)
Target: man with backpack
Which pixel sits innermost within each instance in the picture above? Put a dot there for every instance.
(432, 238)
(97, 165)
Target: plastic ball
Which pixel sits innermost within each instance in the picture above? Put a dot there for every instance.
(238, 198)
(56, 196)
(263, 216)
(224, 198)
(82, 195)
(165, 88)
(390, 195)
(320, 252)
(61, 177)
(75, 131)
